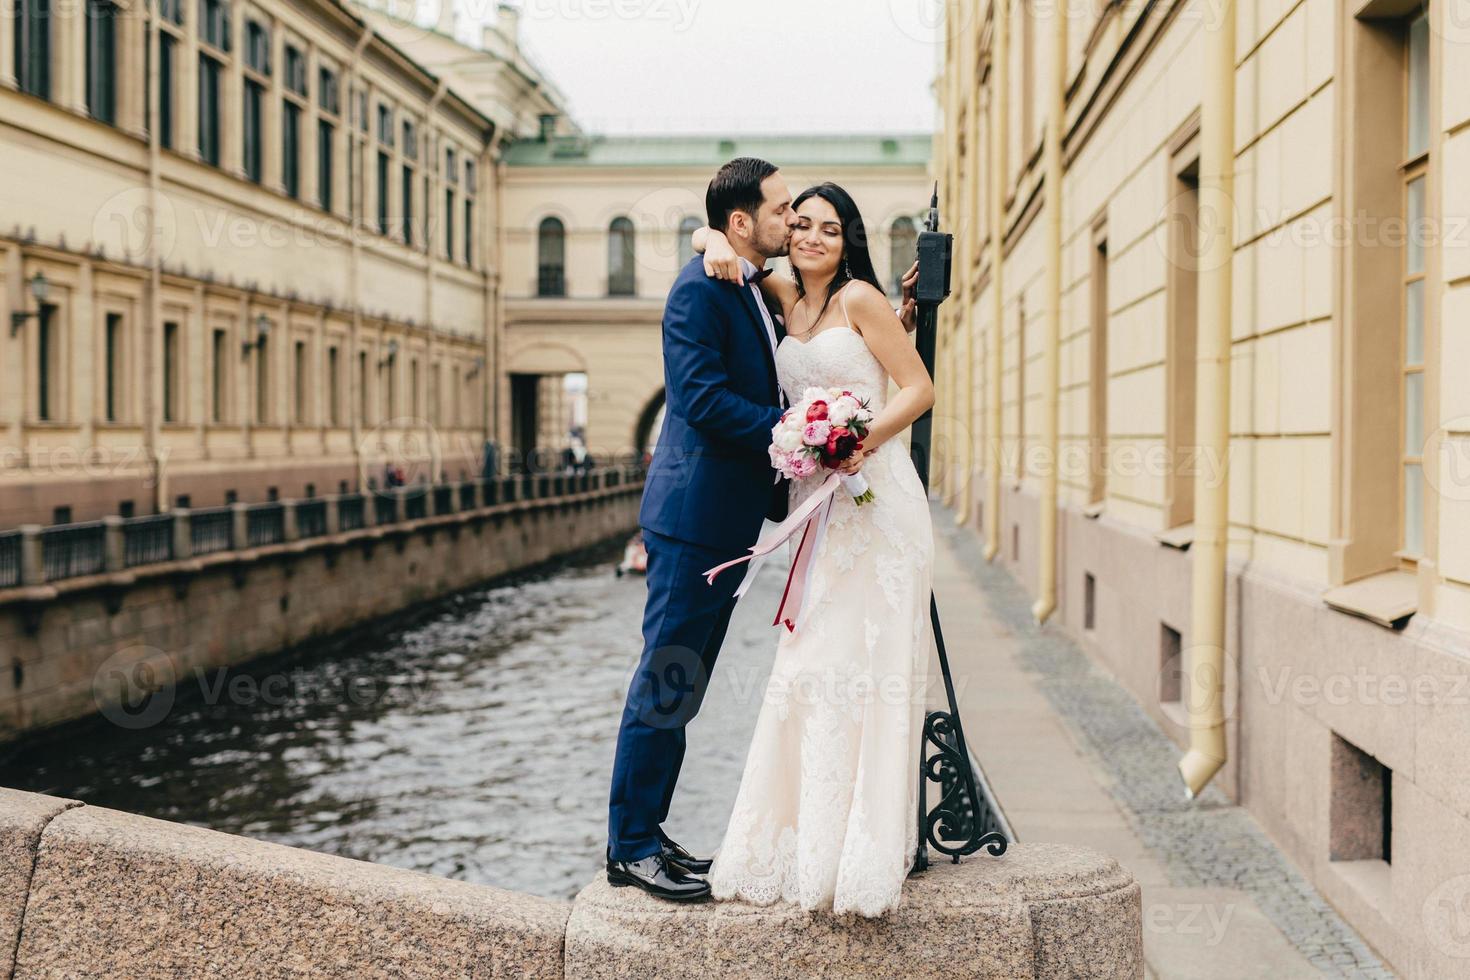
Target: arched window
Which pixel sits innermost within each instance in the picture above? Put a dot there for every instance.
(620, 281)
(551, 258)
(687, 228)
(903, 242)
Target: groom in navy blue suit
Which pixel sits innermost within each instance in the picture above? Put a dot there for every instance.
(709, 486)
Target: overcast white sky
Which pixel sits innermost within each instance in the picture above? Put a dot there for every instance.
(786, 66)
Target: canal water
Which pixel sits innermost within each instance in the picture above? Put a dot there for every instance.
(471, 739)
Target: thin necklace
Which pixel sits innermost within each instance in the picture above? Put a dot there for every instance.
(801, 303)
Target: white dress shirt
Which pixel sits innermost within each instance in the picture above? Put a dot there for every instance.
(748, 268)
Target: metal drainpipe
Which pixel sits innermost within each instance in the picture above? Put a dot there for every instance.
(947, 328)
(999, 89)
(152, 406)
(495, 340)
(1046, 540)
(1205, 676)
(354, 274)
(969, 51)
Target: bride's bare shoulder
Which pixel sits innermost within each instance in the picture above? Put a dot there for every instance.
(866, 305)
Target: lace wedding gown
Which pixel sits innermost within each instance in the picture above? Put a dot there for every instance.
(826, 814)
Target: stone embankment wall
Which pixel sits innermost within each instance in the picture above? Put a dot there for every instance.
(76, 646)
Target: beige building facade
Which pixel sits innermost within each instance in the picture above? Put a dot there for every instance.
(1202, 388)
(248, 250)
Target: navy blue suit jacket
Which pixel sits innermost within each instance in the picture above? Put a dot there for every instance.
(711, 482)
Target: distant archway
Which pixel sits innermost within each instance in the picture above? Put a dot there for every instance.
(645, 433)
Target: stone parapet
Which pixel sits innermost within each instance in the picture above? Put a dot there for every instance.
(107, 893)
(1040, 910)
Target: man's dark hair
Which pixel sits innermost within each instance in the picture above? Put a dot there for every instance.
(736, 187)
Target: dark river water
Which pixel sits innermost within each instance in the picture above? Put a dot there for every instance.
(471, 739)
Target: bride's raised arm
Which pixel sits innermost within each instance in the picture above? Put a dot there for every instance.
(722, 262)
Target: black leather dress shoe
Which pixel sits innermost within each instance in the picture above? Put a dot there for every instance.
(683, 859)
(657, 876)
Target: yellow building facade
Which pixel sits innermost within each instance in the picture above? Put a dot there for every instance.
(1201, 388)
(248, 250)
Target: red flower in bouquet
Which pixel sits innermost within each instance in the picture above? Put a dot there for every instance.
(841, 444)
(816, 411)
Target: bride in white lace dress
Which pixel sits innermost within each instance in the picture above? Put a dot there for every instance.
(826, 814)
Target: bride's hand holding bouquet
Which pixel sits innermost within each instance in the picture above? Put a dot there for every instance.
(825, 430)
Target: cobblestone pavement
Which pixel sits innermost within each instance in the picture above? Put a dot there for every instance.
(1202, 844)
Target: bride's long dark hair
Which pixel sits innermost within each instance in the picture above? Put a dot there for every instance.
(855, 262)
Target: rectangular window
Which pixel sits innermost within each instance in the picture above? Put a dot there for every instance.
(166, 45)
(299, 387)
(363, 415)
(334, 387)
(1411, 360)
(48, 364)
(1097, 394)
(214, 23)
(1182, 288)
(257, 48)
(390, 386)
(33, 46)
(295, 79)
(382, 193)
(410, 143)
(449, 223)
(101, 71)
(262, 381)
(170, 371)
(291, 148)
(113, 344)
(209, 106)
(327, 91)
(385, 125)
(254, 113)
(354, 179)
(218, 354)
(469, 231)
(407, 190)
(324, 141)
(414, 405)
(172, 11)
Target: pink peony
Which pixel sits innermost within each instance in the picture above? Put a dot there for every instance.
(803, 466)
(816, 433)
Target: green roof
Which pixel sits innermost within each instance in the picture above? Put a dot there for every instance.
(879, 150)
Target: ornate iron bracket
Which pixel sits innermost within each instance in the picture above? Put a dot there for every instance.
(964, 818)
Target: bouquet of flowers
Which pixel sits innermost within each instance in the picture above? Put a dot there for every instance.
(825, 428)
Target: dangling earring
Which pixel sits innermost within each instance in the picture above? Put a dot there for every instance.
(846, 270)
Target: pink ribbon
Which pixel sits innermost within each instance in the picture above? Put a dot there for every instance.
(810, 517)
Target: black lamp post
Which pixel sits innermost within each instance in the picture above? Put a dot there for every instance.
(963, 819)
(40, 291)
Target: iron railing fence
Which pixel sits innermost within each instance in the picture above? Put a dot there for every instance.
(72, 550)
(148, 540)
